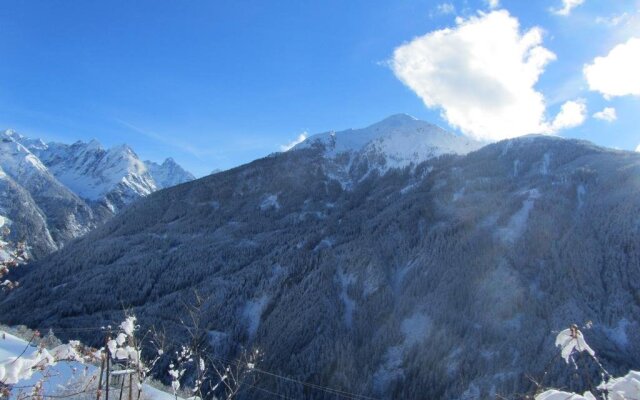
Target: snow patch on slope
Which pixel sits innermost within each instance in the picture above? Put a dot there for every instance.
(518, 221)
(324, 244)
(581, 193)
(270, 202)
(618, 334)
(345, 280)
(546, 161)
(457, 195)
(252, 312)
(415, 330)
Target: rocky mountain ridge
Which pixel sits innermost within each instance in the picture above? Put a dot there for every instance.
(55, 192)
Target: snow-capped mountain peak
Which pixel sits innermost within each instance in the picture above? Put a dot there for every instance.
(93, 144)
(169, 173)
(95, 174)
(401, 137)
(16, 159)
(58, 191)
(35, 200)
(395, 142)
(11, 135)
(397, 120)
(115, 176)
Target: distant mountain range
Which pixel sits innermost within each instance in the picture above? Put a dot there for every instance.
(397, 261)
(53, 192)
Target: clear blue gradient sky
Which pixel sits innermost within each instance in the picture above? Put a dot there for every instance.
(215, 84)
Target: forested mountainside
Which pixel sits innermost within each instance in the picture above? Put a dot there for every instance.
(445, 279)
(55, 192)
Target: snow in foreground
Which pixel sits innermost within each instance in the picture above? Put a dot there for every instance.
(17, 358)
(571, 341)
(624, 388)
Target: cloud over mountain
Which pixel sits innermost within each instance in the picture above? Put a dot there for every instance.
(572, 113)
(482, 75)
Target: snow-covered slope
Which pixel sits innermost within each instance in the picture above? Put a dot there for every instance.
(56, 192)
(168, 174)
(395, 142)
(16, 204)
(34, 197)
(115, 176)
(58, 379)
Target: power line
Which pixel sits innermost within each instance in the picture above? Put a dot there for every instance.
(326, 389)
(282, 396)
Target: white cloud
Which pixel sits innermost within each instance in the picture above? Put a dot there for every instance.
(616, 74)
(301, 138)
(493, 4)
(614, 20)
(567, 7)
(638, 148)
(445, 8)
(572, 113)
(481, 73)
(607, 114)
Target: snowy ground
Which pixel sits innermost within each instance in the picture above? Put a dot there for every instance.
(58, 377)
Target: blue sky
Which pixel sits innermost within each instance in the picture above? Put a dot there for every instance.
(215, 84)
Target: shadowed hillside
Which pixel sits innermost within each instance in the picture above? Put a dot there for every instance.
(434, 281)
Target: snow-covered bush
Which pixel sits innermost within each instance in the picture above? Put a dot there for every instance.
(208, 376)
(119, 366)
(39, 356)
(126, 352)
(178, 367)
(233, 376)
(15, 369)
(571, 342)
